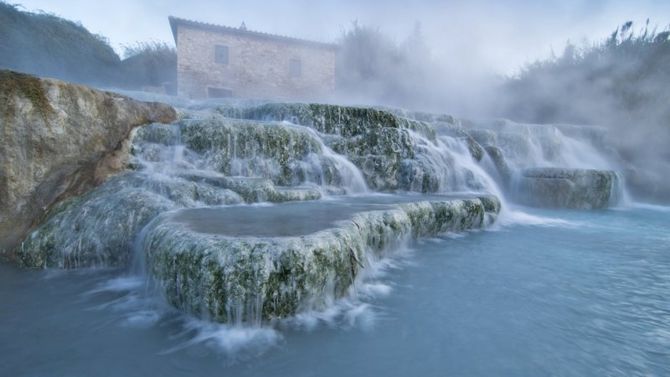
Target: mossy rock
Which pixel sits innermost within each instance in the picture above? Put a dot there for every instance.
(15, 84)
(248, 279)
(568, 188)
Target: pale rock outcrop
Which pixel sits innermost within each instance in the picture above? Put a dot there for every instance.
(58, 140)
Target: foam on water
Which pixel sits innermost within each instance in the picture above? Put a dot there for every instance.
(118, 284)
(235, 342)
(651, 207)
(356, 308)
(514, 216)
(136, 305)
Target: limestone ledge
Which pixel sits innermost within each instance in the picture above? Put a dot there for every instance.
(98, 229)
(569, 188)
(251, 279)
(59, 140)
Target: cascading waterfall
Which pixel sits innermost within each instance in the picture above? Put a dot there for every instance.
(514, 148)
(210, 161)
(169, 174)
(220, 245)
(452, 163)
(350, 177)
(318, 166)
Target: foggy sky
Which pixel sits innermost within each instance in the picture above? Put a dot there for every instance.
(498, 36)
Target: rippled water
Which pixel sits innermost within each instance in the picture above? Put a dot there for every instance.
(547, 293)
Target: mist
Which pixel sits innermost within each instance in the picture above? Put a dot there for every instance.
(470, 44)
(476, 59)
(619, 82)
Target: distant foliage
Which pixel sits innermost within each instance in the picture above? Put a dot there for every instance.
(47, 45)
(153, 64)
(373, 68)
(52, 46)
(622, 83)
(628, 72)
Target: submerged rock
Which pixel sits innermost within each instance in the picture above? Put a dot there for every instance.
(59, 140)
(230, 278)
(568, 188)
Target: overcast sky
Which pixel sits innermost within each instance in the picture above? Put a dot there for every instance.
(496, 35)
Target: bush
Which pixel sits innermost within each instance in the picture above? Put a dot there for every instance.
(628, 74)
(622, 82)
(372, 68)
(51, 46)
(47, 45)
(152, 64)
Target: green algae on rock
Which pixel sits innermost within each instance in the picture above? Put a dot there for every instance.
(99, 228)
(568, 188)
(287, 155)
(230, 278)
(391, 150)
(14, 85)
(346, 121)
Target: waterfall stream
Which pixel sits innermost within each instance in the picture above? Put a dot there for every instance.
(391, 178)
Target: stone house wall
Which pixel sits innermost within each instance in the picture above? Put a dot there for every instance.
(257, 67)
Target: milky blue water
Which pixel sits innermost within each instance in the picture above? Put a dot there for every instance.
(558, 293)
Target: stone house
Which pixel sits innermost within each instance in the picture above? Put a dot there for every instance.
(216, 61)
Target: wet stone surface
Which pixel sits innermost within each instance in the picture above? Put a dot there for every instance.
(290, 219)
(250, 264)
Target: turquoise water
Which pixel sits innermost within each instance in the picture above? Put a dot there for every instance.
(548, 293)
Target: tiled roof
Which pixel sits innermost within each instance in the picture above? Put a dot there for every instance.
(176, 22)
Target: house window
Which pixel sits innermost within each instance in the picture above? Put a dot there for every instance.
(219, 93)
(221, 54)
(294, 68)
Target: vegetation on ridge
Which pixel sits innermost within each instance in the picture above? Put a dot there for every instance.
(623, 79)
(30, 87)
(48, 45)
(621, 83)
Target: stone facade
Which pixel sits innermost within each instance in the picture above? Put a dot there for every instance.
(219, 61)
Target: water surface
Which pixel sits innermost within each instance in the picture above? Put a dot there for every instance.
(290, 219)
(564, 293)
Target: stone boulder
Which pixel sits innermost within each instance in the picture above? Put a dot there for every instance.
(568, 188)
(58, 141)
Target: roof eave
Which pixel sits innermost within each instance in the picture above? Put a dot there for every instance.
(173, 26)
(175, 22)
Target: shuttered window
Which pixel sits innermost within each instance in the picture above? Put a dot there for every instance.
(221, 54)
(295, 68)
